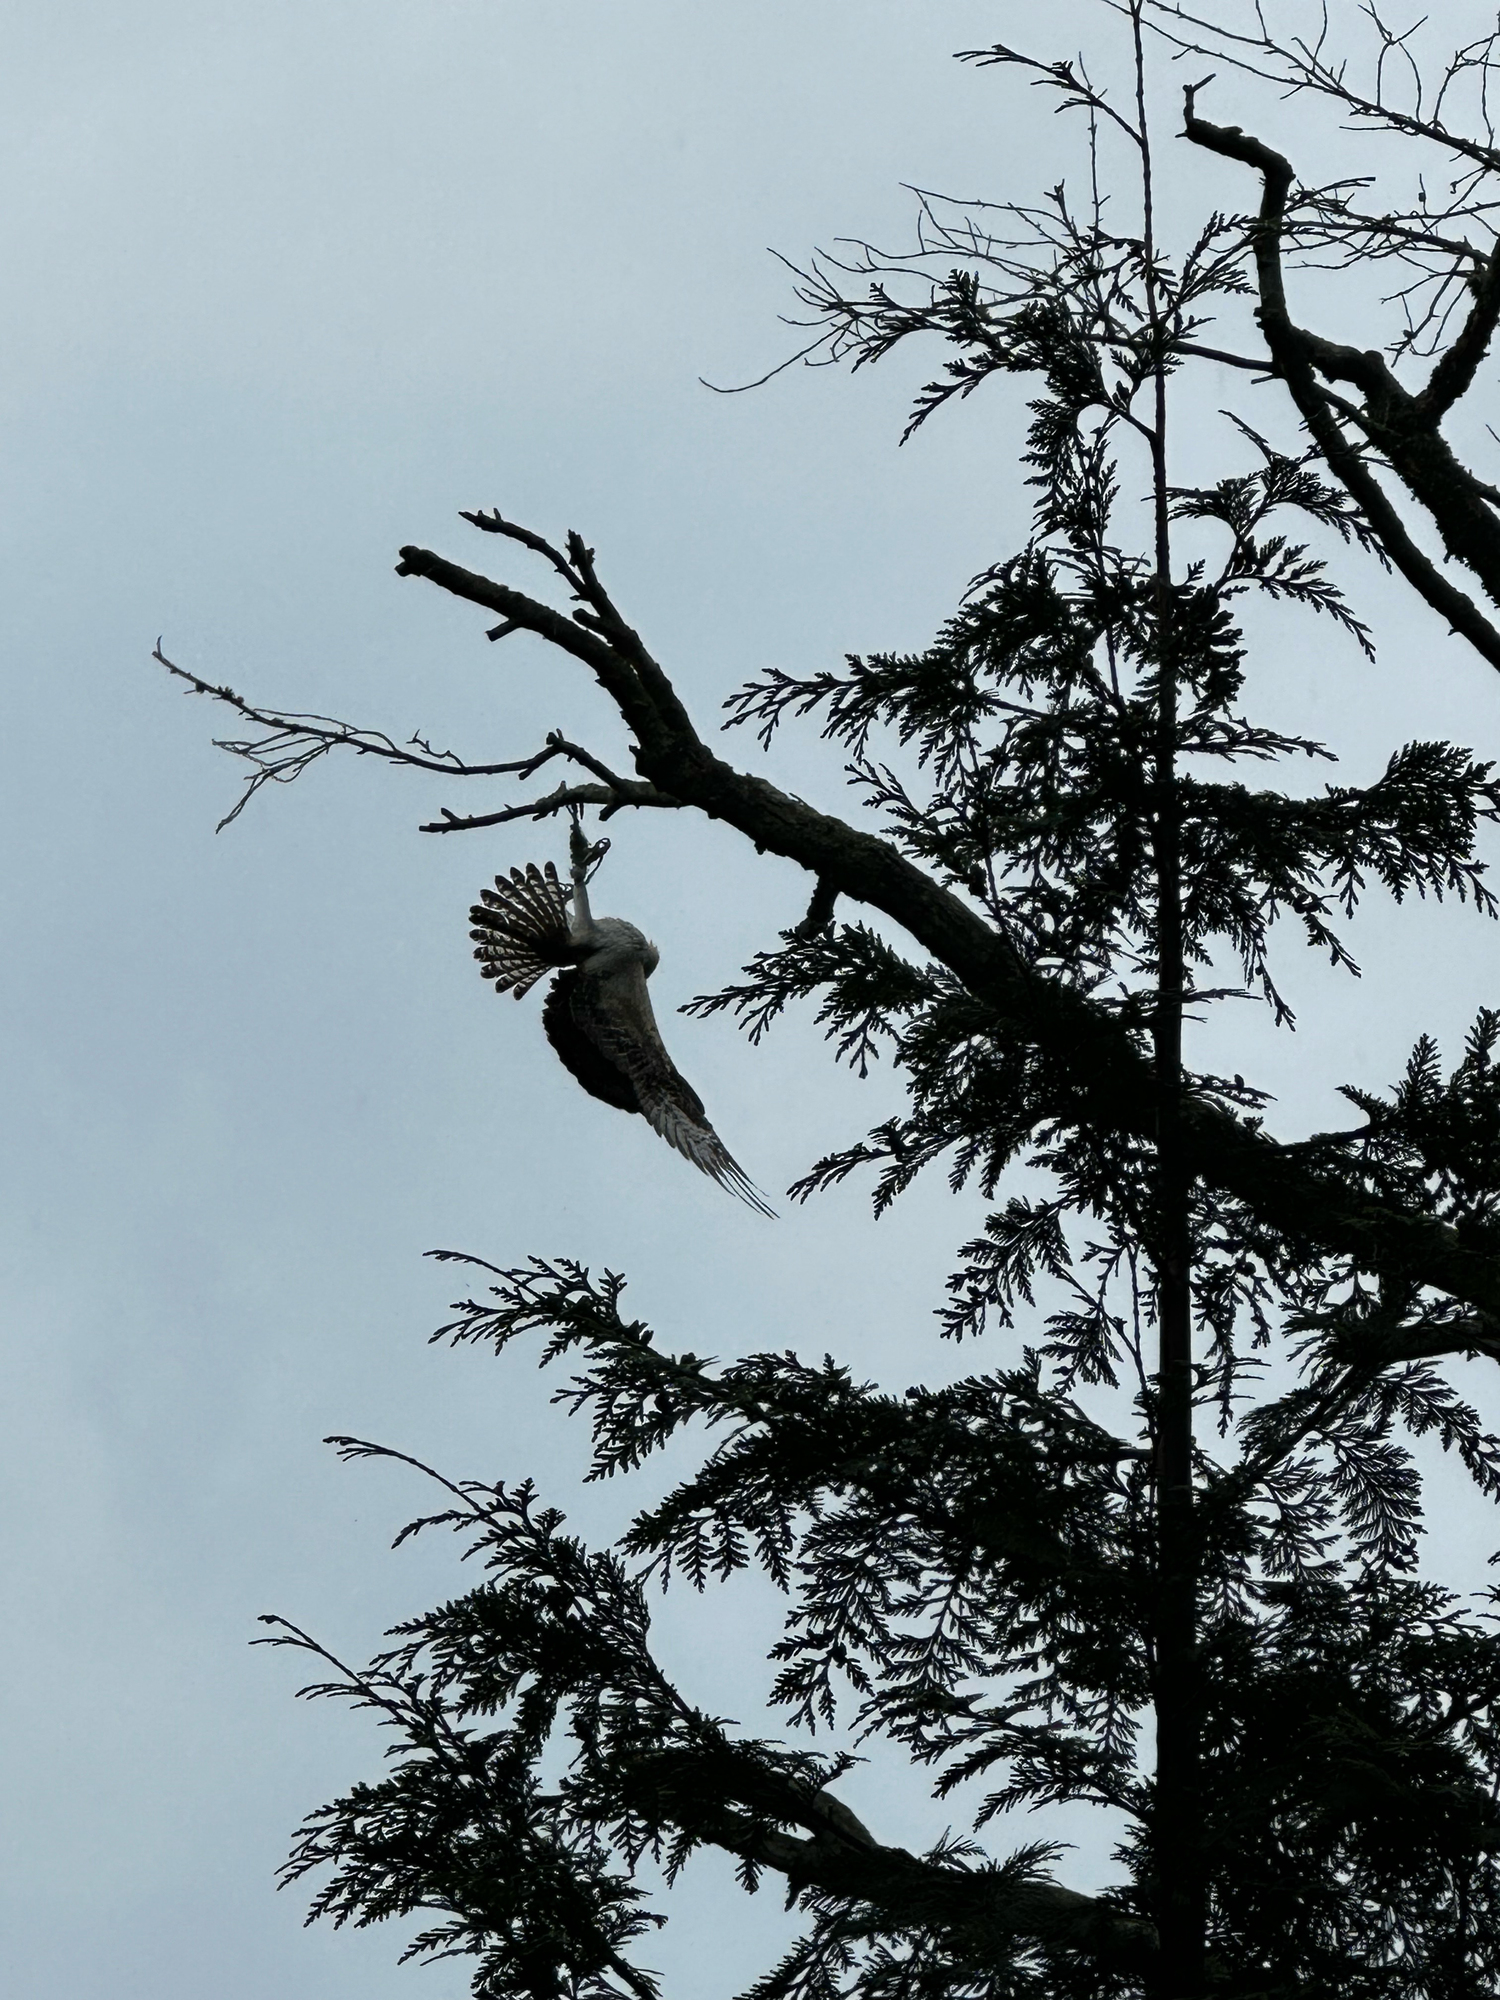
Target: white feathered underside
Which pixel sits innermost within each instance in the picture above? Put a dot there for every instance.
(522, 931)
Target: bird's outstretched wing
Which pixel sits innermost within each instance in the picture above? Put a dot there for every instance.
(690, 1132)
(521, 928)
(615, 1014)
(579, 1053)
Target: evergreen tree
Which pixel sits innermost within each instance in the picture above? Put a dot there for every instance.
(1204, 1613)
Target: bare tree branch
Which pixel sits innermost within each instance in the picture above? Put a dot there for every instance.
(1400, 424)
(292, 742)
(1298, 67)
(610, 799)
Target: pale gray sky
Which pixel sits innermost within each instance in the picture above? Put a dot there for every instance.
(286, 286)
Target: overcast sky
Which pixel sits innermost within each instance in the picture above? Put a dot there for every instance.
(287, 285)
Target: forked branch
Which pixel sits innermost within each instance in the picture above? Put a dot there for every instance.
(289, 743)
(1393, 425)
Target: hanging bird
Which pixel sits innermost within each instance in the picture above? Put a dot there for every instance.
(597, 1013)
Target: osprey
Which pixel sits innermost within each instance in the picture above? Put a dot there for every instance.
(597, 1013)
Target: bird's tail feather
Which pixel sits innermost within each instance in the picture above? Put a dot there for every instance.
(521, 928)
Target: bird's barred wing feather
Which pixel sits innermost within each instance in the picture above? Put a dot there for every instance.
(579, 1053)
(521, 929)
(629, 1036)
(697, 1141)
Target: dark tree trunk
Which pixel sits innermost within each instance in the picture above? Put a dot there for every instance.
(1178, 1822)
